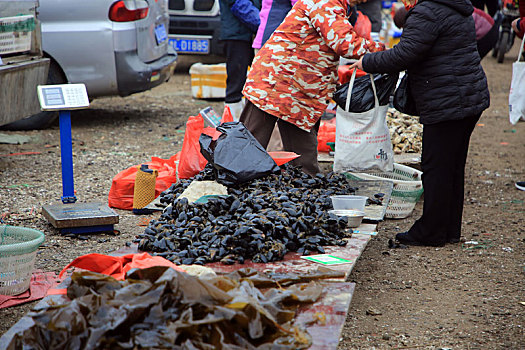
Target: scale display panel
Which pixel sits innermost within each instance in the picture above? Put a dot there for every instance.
(65, 96)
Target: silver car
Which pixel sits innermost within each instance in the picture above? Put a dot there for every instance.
(114, 47)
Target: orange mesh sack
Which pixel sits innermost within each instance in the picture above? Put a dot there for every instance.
(123, 185)
(144, 189)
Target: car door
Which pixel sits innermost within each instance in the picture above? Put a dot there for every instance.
(152, 31)
(78, 35)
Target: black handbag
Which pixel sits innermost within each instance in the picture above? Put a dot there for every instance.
(363, 97)
(403, 100)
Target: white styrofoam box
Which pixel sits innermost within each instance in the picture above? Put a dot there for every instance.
(208, 80)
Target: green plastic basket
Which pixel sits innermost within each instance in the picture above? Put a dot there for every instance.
(18, 246)
(408, 188)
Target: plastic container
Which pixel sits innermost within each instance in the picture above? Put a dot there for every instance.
(355, 217)
(345, 202)
(18, 246)
(408, 188)
(281, 157)
(208, 80)
(144, 189)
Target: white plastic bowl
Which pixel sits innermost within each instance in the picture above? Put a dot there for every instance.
(355, 217)
(346, 202)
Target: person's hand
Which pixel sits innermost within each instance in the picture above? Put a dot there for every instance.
(358, 64)
(514, 25)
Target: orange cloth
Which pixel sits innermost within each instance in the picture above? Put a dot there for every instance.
(118, 266)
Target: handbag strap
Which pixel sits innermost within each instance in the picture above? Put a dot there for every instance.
(351, 86)
(521, 49)
(349, 92)
(376, 100)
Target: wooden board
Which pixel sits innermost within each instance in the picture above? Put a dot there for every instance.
(369, 188)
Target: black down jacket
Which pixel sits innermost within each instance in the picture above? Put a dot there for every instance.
(438, 50)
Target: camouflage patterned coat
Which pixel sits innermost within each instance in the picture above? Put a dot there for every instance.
(294, 75)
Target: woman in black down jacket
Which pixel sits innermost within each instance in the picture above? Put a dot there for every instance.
(449, 87)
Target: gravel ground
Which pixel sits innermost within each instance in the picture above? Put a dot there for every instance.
(460, 296)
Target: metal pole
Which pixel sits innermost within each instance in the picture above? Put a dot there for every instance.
(66, 153)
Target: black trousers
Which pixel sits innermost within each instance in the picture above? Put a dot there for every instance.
(492, 6)
(261, 125)
(239, 56)
(445, 148)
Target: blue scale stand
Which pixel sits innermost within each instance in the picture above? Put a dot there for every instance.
(70, 216)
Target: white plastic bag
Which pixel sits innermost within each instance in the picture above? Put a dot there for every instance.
(362, 140)
(517, 90)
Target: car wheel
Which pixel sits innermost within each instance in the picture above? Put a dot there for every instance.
(40, 120)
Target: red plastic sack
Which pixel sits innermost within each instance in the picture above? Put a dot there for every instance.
(363, 26)
(118, 266)
(326, 134)
(344, 73)
(123, 185)
(191, 159)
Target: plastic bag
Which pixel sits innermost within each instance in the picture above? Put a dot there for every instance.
(123, 184)
(344, 73)
(191, 159)
(362, 139)
(517, 90)
(117, 266)
(236, 156)
(362, 99)
(403, 100)
(325, 134)
(363, 26)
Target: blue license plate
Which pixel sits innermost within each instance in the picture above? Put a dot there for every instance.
(198, 46)
(160, 33)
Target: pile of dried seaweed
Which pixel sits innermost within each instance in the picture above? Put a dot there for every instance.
(261, 220)
(161, 308)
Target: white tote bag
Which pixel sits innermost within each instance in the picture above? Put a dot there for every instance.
(517, 89)
(362, 140)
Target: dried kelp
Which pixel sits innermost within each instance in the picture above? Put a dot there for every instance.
(161, 308)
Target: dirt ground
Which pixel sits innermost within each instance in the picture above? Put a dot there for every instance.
(463, 296)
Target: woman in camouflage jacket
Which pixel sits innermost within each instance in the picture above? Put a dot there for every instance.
(294, 75)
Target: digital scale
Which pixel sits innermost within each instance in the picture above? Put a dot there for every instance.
(72, 217)
(211, 118)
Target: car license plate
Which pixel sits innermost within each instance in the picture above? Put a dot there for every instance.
(160, 33)
(199, 46)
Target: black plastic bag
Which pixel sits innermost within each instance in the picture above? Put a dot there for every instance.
(403, 100)
(362, 93)
(236, 156)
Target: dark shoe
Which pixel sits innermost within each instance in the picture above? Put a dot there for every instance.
(453, 240)
(520, 185)
(405, 238)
